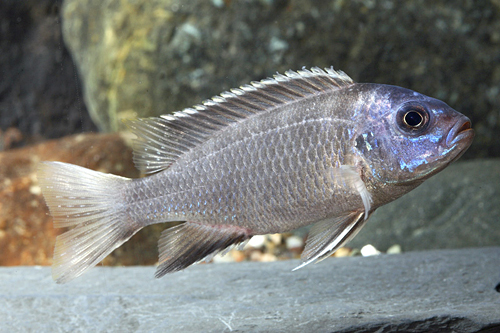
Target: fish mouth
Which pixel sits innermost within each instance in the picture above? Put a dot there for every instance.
(459, 139)
(461, 134)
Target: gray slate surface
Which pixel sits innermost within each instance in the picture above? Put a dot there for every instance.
(457, 208)
(450, 290)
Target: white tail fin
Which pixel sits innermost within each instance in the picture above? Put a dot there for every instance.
(89, 202)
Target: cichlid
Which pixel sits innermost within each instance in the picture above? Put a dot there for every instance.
(305, 147)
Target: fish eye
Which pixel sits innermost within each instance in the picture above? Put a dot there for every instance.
(413, 118)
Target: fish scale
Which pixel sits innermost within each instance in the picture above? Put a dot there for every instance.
(257, 179)
(306, 147)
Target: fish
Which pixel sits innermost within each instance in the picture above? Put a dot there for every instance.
(307, 147)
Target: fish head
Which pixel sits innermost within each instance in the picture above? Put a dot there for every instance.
(409, 136)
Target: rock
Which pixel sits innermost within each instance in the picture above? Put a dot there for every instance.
(27, 236)
(432, 291)
(40, 94)
(150, 57)
(457, 208)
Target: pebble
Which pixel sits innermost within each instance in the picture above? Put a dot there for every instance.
(267, 248)
(369, 250)
(228, 257)
(257, 241)
(343, 252)
(276, 238)
(395, 249)
(294, 242)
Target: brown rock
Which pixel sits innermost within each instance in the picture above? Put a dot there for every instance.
(27, 236)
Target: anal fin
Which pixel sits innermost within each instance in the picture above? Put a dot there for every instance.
(326, 236)
(190, 242)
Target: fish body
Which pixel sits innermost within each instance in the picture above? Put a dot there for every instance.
(302, 148)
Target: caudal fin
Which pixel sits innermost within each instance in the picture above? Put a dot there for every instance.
(88, 202)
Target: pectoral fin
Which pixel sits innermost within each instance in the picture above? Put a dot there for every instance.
(328, 235)
(185, 244)
(349, 175)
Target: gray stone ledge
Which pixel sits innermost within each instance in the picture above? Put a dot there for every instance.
(449, 290)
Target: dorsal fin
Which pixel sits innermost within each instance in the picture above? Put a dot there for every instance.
(160, 141)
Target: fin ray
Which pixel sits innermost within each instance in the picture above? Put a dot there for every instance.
(326, 236)
(188, 243)
(87, 201)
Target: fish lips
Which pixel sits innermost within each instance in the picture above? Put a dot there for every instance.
(460, 135)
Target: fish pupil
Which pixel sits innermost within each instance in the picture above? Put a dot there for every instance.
(413, 118)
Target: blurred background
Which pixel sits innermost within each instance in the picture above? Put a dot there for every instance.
(71, 70)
